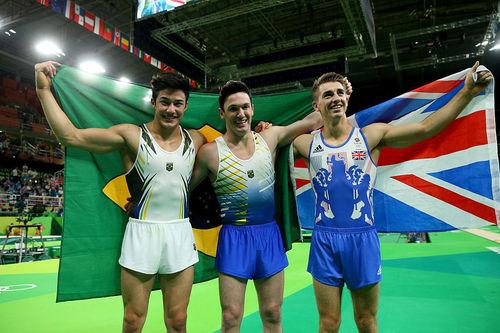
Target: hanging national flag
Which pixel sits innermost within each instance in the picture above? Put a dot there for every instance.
(117, 37)
(124, 41)
(192, 83)
(147, 58)
(107, 31)
(89, 21)
(69, 11)
(91, 216)
(155, 62)
(79, 16)
(98, 26)
(450, 181)
(43, 2)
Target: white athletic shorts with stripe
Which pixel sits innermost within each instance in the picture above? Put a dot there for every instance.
(152, 247)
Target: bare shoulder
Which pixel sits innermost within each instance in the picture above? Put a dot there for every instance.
(127, 131)
(123, 128)
(268, 132)
(208, 151)
(303, 138)
(301, 144)
(270, 135)
(374, 133)
(198, 138)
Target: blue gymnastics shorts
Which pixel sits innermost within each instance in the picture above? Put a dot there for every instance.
(250, 251)
(350, 256)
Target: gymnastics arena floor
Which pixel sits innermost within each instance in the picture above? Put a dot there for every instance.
(449, 285)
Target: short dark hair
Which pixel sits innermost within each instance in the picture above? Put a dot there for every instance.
(161, 81)
(232, 87)
(327, 77)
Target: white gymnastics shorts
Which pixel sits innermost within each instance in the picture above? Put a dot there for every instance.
(152, 247)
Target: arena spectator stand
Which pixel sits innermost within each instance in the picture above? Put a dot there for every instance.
(31, 175)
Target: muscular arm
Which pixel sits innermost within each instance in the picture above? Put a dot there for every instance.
(93, 139)
(279, 136)
(301, 146)
(206, 164)
(198, 139)
(408, 134)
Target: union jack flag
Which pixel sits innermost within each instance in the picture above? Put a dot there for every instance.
(450, 181)
(359, 155)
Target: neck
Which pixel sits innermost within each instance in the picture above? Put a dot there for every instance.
(337, 128)
(236, 139)
(164, 132)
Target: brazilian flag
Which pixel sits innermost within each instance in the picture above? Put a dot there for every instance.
(94, 190)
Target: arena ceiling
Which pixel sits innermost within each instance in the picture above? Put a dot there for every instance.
(272, 45)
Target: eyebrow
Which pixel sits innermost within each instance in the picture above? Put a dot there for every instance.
(332, 90)
(240, 105)
(163, 98)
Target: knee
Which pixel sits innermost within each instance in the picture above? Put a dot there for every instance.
(133, 319)
(366, 321)
(329, 323)
(175, 320)
(231, 316)
(271, 313)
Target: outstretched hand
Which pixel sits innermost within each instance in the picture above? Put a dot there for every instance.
(476, 82)
(44, 72)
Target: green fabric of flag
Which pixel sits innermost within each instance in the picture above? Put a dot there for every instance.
(93, 224)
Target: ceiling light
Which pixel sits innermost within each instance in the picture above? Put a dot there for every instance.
(92, 67)
(47, 47)
(12, 31)
(124, 79)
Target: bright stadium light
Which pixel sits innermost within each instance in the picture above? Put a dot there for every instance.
(124, 79)
(91, 66)
(12, 31)
(48, 47)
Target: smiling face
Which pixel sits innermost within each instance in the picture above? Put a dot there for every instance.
(331, 100)
(237, 112)
(170, 105)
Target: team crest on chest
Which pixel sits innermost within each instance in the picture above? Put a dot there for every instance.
(358, 143)
(250, 174)
(169, 166)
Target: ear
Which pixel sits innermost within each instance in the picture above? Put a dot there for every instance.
(221, 113)
(315, 106)
(153, 102)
